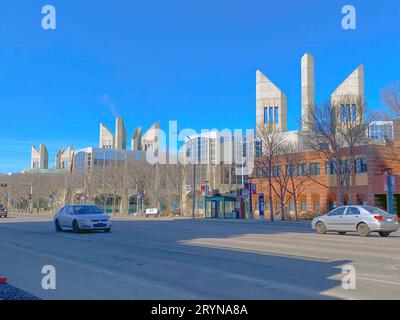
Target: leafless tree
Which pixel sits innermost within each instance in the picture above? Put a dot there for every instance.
(271, 143)
(335, 130)
(391, 97)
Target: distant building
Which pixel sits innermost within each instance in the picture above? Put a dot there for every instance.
(270, 103)
(136, 142)
(120, 134)
(106, 138)
(150, 138)
(39, 157)
(64, 159)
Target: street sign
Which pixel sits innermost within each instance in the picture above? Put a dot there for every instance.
(245, 194)
(261, 205)
(188, 188)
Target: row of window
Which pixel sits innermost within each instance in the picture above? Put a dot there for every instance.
(312, 169)
(271, 115)
(348, 113)
(291, 206)
(290, 170)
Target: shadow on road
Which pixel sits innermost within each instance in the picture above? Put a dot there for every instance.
(160, 252)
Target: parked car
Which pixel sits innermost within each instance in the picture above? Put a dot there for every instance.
(3, 211)
(363, 219)
(82, 217)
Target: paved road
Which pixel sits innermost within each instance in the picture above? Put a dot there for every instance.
(185, 259)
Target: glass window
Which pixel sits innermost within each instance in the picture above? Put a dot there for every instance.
(348, 113)
(361, 165)
(342, 112)
(303, 206)
(302, 169)
(271, 110)
(352, 211)
(276, 171)
(266, 115)
(337, 212)
(289, 170)
(374, 210)
(354, 112)
(276, 114)
(315, 169)
(291, 206)
(316, 206)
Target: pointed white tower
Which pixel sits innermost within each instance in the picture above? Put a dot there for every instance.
(270, 103)
(307, 86)
(352, 86)
(106, 138)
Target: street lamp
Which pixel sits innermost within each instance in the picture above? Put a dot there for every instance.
(390, 189)
(194, 180)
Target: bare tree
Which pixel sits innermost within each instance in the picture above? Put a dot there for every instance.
(391, 97)
(271, 143)
(335, 130)
(297, 182)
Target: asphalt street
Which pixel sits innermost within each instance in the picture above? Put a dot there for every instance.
(201, 259)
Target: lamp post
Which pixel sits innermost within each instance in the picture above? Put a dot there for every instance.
(390, 190)
(194, 180)
(250, 184)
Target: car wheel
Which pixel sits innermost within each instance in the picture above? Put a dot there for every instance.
(57, 225)
(320, 227)
(107, 230)
(75, 227)
(342, 233)
(363, 230)
(384, 234)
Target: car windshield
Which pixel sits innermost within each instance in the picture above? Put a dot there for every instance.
(87, 210)
(374, 210)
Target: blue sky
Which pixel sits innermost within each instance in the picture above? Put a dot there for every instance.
(190, 61)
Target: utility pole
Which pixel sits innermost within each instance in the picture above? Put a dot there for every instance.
(194, 179)
(390, 190)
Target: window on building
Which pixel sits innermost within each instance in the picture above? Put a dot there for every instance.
(258, 148)
(265, 172)
(353, 112)
(381, 130)
(212, 152)
(361, 165)
(271, 116)
(290, 170)
(302, 169)
(276, 115)
(266, 115)
(330, 167)
(303, 206)
(342, 113)
(291, 206)
(316, 206)
(276, 171)
(314, 168)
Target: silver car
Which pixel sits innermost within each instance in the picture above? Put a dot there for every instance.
(82, 217)
(363, 219)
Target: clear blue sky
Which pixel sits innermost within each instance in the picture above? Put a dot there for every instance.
(190, 61)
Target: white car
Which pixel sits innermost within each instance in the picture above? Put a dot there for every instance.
(82, 217)
(363, 219)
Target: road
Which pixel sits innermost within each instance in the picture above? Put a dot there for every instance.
(201, 259)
